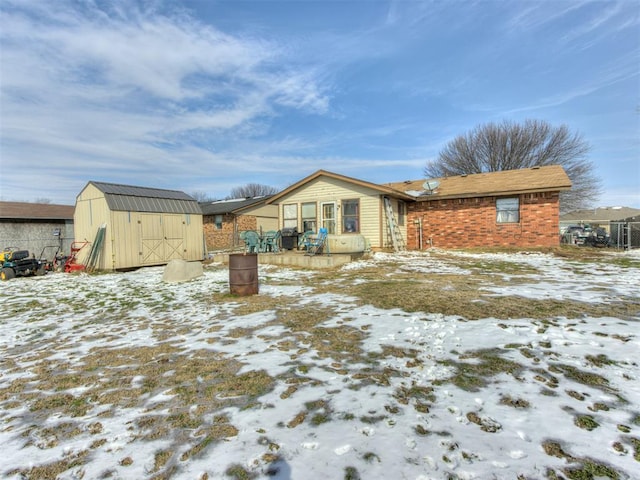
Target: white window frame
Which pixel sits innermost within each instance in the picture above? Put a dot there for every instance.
(508, 210)
(290, 215)
(309, 219)
(328, 222)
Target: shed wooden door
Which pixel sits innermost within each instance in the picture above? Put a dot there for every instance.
(174, 237)
(151, 239)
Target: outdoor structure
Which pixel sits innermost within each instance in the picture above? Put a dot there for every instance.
(513, 208)
(42, 228)
(346, 207)
(142, 226)
(223, 220)
(600, 217)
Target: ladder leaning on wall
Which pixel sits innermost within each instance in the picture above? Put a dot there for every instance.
(394, 228)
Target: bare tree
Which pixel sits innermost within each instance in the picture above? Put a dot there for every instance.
(44, 200)
(252, 190)
(202, 196)
(508, 146)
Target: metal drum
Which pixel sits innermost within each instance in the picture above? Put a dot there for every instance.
(243, 274)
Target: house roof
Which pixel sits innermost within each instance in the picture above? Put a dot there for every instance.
(234, 205)
(508, 182)
(35, 211)
(383, 189)
(143, 199)
(600, 214)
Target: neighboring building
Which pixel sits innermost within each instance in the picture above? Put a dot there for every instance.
(223, 220)
(42, 228)
(344, 206)
(600, 217)
(144, 226)
(513, 208)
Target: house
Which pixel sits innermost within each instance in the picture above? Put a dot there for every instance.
(600, 217)
(223, 220)
(42, 228)
(345, 206)
(518, 208)
(142, 226)
(512, 208)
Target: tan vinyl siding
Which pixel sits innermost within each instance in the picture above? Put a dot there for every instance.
(386, 231)
(266, 216)
(326, 189)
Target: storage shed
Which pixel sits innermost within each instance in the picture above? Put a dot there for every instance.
(143, 226)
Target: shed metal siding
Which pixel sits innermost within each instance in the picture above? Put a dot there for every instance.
(143, 199)
(136, 238)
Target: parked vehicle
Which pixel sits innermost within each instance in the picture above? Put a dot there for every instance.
(574, 235)
(586, 236)
(16, 263)
(598, 238)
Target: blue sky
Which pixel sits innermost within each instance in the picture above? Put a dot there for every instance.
(204, 96)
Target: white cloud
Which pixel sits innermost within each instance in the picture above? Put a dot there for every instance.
(83, 62)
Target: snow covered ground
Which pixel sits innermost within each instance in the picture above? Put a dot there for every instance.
(423, 396)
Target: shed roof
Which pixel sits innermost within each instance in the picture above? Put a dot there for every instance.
(130, 198)
(600, 214)
(35, 211)
(383, 189)
(234, 205)
(507, 182)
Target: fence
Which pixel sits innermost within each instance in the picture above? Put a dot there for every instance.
(625, 234)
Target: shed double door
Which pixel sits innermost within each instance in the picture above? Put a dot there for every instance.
(162, 238)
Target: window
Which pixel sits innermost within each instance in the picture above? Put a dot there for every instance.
(401, 212)
(290, 215)
(218, 221)
(507, 210)
(351, 216)
(309, 220)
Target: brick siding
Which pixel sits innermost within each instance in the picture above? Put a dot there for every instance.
(471, 222)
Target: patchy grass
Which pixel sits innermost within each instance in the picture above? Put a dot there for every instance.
(514, 402)
(53, 469)
(196, 385)
(472, 376)
(579, 468)
(462, 295)
(586, 422)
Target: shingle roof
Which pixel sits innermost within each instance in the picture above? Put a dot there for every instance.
(235, 205)
(508, 182)
(144, 199)
(33, 211)
(600, 214)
